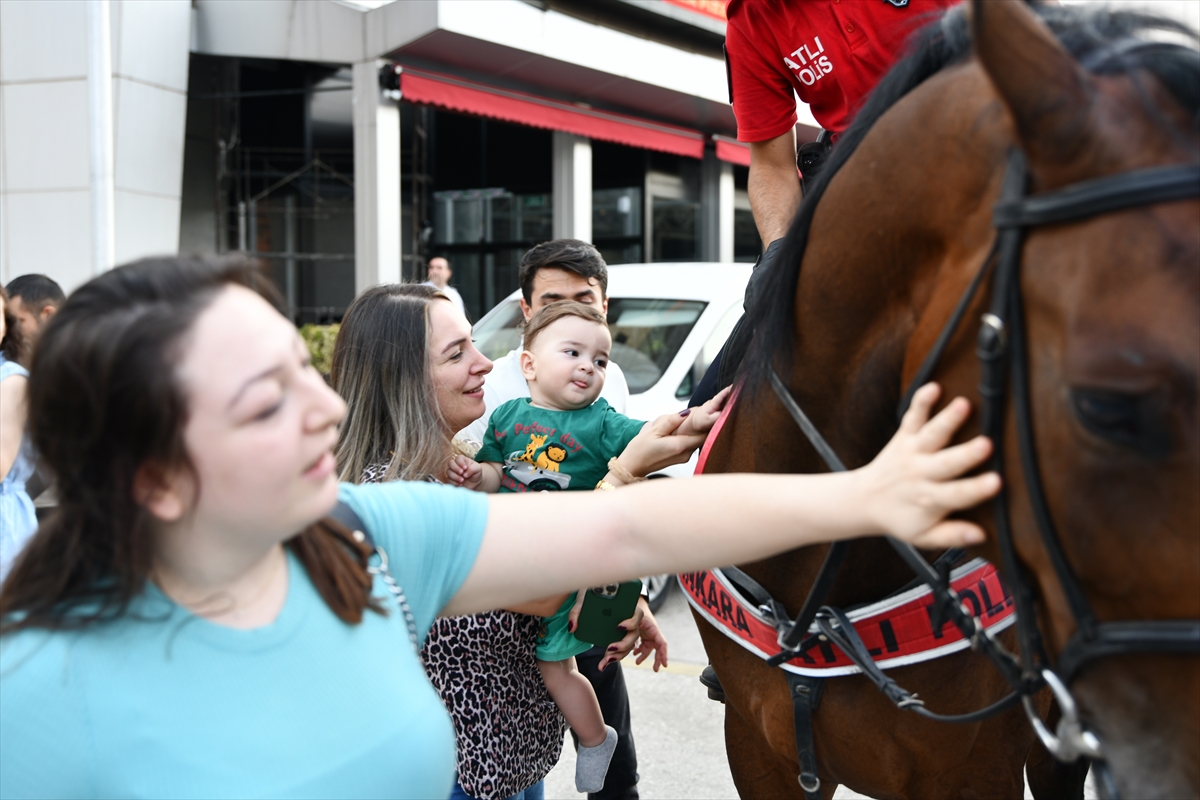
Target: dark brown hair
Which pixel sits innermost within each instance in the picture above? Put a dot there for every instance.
(13, 344)
(552, 313)
(572, 255)
(104, 402)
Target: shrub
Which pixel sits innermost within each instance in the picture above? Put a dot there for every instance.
(320, 339)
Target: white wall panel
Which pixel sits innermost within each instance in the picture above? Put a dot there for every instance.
(51, 233)
(146, 226)
(45, 135)
(150, 126)
(42, 40)
(152, 41)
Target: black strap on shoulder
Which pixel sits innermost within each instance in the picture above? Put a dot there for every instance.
(806, 696)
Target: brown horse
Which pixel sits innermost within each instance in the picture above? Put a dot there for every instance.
(882, 249)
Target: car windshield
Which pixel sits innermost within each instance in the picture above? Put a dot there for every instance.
(647, 333)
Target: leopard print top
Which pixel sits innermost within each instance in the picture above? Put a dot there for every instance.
(508, 731)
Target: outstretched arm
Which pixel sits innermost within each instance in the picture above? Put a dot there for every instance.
(671, 526)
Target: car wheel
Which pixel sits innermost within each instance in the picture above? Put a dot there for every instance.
(658, 587)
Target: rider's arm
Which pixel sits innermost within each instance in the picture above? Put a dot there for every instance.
(774, 185)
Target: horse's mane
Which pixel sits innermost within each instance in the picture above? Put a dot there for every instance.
(1103, 41)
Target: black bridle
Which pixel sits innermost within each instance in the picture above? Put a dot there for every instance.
(1002, 350)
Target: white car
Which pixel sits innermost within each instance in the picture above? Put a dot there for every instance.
(668, 323)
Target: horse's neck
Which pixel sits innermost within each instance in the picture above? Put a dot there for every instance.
(899, 232)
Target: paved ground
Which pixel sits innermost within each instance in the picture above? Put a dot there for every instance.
(680, 744)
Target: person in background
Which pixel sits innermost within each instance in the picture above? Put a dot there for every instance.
(193, 620)
(570, 269)
(17, 519)
(438, 276)
(34, 300)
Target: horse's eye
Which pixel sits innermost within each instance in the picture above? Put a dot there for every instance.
(1135, 421)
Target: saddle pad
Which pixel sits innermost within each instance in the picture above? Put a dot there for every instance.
(897, 630)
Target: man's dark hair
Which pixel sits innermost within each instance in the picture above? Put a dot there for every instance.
(36, 291)
(572, 255)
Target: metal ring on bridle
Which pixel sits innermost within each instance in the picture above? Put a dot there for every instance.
(1070, 740)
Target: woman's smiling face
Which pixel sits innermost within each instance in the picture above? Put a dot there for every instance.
(457, 369)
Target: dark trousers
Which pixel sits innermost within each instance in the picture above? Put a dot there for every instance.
(622, 778)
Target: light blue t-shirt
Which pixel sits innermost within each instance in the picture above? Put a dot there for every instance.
(165, 704)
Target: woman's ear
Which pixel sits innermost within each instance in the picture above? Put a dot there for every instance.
(164, 493)
(528, 368)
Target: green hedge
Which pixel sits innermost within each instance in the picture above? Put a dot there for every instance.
(320, 339)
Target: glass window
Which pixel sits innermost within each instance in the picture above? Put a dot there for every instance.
(674, 229)
(746, 245)
(712, 346)
(501, 332)
(647, 333)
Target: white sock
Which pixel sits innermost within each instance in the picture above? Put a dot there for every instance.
(591, 763)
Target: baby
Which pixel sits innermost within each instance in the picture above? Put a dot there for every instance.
(562, 437)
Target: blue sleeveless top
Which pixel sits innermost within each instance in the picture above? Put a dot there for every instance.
(17, 520)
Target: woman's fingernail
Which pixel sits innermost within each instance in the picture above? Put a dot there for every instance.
(685, 412)
(622, 629)
(570, 627)
(612, 648)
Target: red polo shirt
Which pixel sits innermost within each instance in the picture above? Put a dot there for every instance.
(831, 52)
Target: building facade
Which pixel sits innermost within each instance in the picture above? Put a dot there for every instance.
(345, 142)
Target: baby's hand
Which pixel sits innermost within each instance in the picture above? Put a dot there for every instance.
(702, 418)
(465, 472)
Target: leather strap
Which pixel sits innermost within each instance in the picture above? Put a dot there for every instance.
(1086, 199)
(806, 696)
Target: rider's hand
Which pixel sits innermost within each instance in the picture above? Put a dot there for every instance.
(914, 482)
(465, 472)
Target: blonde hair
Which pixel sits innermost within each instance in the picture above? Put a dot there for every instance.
(381, 369)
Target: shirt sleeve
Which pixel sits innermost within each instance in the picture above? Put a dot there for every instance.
(431, 535)
(619, 431)
(764, 102)
(45, 728)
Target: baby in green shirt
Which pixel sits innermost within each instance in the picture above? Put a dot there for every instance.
(562, 437)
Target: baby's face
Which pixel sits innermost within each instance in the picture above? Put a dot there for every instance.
(569, 362)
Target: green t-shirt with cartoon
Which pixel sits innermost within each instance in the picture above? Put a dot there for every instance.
(544, 450)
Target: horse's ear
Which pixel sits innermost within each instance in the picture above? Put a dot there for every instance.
(1047, 93)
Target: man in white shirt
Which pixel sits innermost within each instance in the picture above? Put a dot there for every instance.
(562, 269)
(439, 275)
(569, 269)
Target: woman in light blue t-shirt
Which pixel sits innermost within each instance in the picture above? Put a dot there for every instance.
(190, 624)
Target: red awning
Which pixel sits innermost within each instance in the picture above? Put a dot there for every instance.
(732, 151)
(455, 94)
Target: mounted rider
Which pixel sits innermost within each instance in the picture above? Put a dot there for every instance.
(830, 53)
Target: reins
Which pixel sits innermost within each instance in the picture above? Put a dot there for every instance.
(1002, 350)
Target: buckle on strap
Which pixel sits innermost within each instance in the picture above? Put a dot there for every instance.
(1070, 739)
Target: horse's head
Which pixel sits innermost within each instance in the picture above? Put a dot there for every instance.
(1112, 309)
